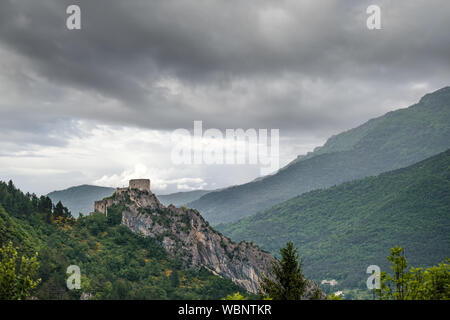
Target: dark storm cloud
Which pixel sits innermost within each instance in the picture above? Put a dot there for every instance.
(296, 65)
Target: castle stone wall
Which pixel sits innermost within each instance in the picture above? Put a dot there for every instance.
(140, 184)
(102, 205)
(121, 190)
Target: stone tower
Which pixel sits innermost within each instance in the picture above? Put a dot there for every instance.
(140, 184)
(102, 205)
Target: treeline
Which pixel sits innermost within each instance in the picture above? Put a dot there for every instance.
(287, 281)
(114, 262)
(40, 242)
(24, 206)
(343, 229)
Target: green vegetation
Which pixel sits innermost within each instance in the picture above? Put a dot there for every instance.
(114, 262)
(17, 275)
(286, 281)
(416, 284)
(392, 141)
(342, 230)
(235, 296)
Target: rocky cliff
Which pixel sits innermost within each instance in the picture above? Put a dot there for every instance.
(184, 233)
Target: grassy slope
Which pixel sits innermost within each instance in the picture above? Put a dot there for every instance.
(343, 229)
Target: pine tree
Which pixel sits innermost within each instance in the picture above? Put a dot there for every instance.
(174, 279)
(45, 205)
(60, 211)
(286, 281)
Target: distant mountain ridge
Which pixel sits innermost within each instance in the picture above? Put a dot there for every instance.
(81, 198)
(182, 198)
(395, 140)
(342, 230)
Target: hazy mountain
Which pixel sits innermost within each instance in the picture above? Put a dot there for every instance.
(394, 140)
(181, 198)
(80, 198)
(342, 230)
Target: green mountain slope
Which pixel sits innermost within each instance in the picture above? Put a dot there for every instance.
(115, 263)
(80, 198)
(395, 140)
(13, 229)
(342, 230)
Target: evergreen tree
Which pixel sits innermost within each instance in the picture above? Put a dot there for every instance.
(286, 281)
(45, 205)
(174, 279)
(11, 187)
(61, 211)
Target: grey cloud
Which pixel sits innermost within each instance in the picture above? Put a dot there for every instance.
(30, 132)
(332, 71)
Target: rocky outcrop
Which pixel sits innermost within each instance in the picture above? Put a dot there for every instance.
(184, 233)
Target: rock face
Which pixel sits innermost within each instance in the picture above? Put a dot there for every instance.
(183, 232)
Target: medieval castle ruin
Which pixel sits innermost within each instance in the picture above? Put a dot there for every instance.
(139, 184)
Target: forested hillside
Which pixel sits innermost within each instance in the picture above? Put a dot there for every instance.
(395, 140)
(115, 263)
(343, 229)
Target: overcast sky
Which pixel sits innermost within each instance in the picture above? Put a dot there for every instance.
(99, 105)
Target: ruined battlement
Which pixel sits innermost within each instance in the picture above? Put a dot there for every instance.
(102, 205)
(140, 184)
(121, 190)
